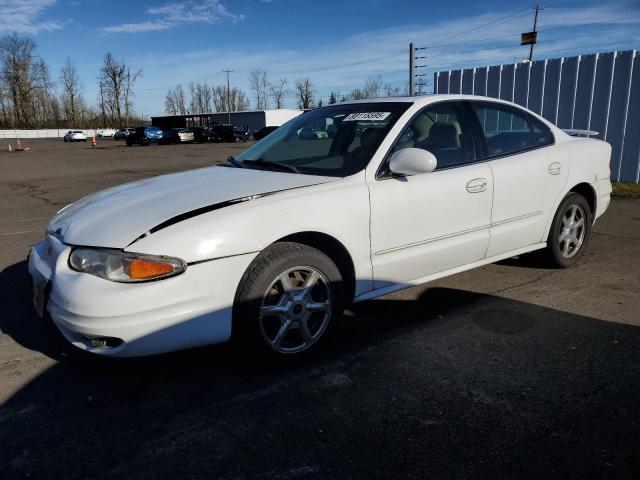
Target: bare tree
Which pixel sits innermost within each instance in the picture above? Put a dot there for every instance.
(170, 103)
(116, 81)
(45, 107)
(259, 84)
(16, 54)
(201, 98)
(391, 91)
(304, 91)
(279, 90)
(181, 104)
(174, 102)
(237, 99)
(130, 79)
(71, 93)
(372, 87)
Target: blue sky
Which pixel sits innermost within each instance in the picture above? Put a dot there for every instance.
(338, 44)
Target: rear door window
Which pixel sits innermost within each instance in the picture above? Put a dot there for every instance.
(506, 129)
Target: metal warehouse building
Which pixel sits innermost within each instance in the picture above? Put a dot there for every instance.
(254, 119)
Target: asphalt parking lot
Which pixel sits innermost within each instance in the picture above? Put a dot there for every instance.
(508, 371)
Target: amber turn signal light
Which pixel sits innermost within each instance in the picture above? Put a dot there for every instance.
(145, 269)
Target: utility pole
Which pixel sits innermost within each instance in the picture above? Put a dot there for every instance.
(228, 96)
(412, 67)
(535, 25)
(412, 80)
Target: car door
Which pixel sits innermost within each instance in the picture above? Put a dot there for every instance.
(428, 223)
(529, 172)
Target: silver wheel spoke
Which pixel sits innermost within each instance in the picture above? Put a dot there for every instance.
(281, 334)
(285, 280)
(318, 306)
(565, 250)
(273, 310)
(579, 223)
(304, 329)
(311, 281)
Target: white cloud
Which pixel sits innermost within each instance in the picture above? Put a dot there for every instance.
(344, 64)
(172, 14)
(22, 16)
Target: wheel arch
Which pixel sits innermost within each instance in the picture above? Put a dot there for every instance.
(588, 192)
(335, 250)
(583, 188)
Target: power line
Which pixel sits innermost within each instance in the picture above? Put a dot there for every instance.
(508, 55)
(482, 27)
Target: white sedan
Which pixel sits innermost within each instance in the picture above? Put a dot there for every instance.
(269, 247)
(75, 136)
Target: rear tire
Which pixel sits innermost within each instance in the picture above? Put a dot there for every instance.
(569, 233)
(288, 302)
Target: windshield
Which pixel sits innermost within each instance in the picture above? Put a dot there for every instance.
(336, 141)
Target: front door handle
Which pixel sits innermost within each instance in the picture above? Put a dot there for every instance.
(554, 168)
(477, 185)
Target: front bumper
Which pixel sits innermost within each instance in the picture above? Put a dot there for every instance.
(126, 320)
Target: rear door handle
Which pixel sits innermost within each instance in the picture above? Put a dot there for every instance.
(477, 185)
(554, 168)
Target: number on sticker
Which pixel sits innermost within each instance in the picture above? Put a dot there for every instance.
(354, 117)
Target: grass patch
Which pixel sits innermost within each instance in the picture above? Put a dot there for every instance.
(626, 190)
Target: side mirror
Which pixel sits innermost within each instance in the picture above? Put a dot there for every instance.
(412, 161)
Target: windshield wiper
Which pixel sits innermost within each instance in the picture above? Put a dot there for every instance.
(271, 164)
(232, 162)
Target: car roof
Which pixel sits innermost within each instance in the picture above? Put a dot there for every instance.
(425, 99)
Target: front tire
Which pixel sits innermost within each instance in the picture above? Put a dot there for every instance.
(570, 231)
(288, 301)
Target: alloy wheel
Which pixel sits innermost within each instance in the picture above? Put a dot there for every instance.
(573, 231)
(296, 309)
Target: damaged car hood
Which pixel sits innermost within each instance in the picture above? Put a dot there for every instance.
(117, 216)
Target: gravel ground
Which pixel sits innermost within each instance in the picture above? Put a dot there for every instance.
(507, 371)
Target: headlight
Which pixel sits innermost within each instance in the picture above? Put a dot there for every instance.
(119, 266)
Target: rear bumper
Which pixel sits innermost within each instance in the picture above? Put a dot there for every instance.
(603, 190)
(126, 320)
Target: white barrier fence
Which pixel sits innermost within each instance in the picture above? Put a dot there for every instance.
(42, 133)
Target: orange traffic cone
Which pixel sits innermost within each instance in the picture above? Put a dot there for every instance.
(19, 146)
(93, 142)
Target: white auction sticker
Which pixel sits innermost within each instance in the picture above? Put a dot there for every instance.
(355, 117)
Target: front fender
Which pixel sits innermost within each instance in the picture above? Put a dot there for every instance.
(339, 209)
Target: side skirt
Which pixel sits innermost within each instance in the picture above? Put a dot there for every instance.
(445, 273)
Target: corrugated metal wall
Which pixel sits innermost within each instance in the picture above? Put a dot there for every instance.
(598, 92)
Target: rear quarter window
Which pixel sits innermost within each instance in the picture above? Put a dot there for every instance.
(541, 132)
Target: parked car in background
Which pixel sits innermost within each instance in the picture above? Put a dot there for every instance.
(223, 133)
(312, 134)
(144, 136)
(105, 132)
(430, 187)
(122, 133)
(263, 132)
(241, 134)
(202, 134)
(177, 135)
(75, 136)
